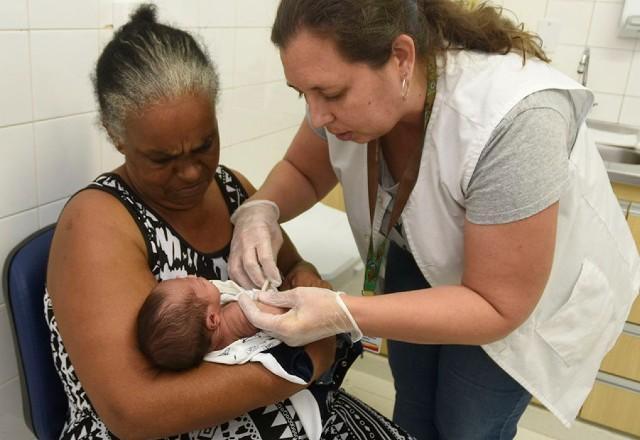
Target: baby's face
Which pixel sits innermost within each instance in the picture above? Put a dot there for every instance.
(201, 287)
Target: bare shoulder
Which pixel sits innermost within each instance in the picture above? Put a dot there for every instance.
(94, 220)
(94, 237)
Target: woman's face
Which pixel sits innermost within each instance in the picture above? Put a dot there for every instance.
(352, 100)
(171, 151)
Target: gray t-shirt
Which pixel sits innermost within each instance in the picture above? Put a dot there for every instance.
(523, 169)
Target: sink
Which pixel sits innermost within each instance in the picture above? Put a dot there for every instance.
(611, 153)
(618, 145)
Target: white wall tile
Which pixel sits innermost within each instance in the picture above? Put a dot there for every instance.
(13, 230)
(12, 426)
(62, 62)
(575, 18)
(607, 108)
(105, 13)
(15, 79)
(604, 27)
(67, 14)
(630, 114)
(17, 170)
(67, 155)
(120, 11)
(183, 13)
(49, 213)
(217, 13)
(274, 63)
(526, 11)
(104, 37)
(220, 43)
(8, 364)
(223, 110)
(283, 98)
(566, 59)
(255, 13)
(13, 14)
(254, 111)
(253, 55)
(111, 158)
(264, 153)
(633, 86)
(609, 70)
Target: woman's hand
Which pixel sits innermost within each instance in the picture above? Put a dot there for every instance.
(315, 314)
(255, 244)
(304, 274)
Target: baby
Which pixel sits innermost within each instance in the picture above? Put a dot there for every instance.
(184, 319)
(187, 320)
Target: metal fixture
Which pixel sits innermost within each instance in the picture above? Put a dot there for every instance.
(583, 66)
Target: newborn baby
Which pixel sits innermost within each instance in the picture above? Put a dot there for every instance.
(184, 319)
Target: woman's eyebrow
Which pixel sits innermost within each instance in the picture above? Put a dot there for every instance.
(318, 88)
(161, 154)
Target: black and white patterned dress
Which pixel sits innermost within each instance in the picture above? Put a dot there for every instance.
(170, 256)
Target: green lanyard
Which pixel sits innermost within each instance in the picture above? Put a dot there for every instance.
(376, 254)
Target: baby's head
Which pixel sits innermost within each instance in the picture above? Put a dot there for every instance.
(176, 322)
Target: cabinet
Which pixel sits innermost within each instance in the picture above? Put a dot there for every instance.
(613, 406)
(614, 401)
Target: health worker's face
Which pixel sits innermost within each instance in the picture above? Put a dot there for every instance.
(352, 100)
(171, 151)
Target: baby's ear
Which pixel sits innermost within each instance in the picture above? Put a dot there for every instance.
(213, 318)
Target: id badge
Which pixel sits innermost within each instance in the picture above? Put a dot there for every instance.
(374, 345)
(376, 259)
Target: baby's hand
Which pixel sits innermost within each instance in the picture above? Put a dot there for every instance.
(304, 275)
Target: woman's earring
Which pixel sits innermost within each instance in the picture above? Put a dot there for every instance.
(405, 88)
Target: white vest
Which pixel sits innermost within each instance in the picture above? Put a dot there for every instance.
(595, 275)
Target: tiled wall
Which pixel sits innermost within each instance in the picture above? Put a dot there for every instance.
(50, 143)
(614, 72)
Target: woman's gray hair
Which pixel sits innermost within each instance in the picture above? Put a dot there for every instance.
(147, 62)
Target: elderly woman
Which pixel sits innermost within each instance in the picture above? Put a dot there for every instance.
(163, 214)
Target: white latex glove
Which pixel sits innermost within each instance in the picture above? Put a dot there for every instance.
(255, 244)
(315, 313)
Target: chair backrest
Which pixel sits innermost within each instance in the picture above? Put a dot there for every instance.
(43, 399)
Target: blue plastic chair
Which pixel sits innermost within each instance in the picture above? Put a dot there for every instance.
(44, 402)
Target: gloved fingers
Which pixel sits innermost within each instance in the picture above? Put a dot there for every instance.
(266, 265)
(237, 274)
(252, 268)
(262, 320)
(235, 264)
(267, 252)
(272, 273)
(279, 299)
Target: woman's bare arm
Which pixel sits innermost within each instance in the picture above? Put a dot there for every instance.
(506, 268)
(98, 278)
(303, 177)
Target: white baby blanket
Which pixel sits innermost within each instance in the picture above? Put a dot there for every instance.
(255, 349)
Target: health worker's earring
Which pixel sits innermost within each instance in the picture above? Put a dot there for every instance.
(405, 88)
